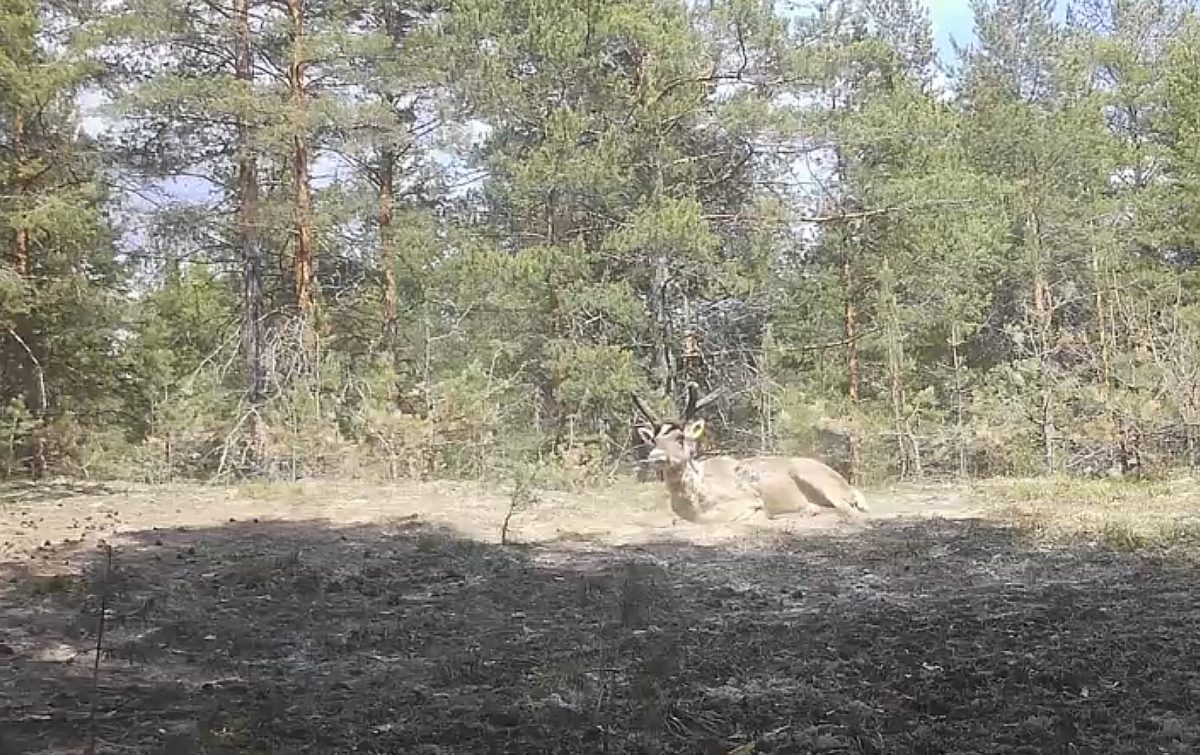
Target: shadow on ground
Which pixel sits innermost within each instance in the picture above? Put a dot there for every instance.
(51, 490)
(934, 637)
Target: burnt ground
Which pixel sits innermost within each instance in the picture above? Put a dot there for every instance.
(399, 632)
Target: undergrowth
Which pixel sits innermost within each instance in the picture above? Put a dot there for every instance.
(1128, 515)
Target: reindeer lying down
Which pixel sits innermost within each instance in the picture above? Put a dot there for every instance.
(725, 489)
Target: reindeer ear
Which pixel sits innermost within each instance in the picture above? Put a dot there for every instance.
(646, 433)
(694, 429)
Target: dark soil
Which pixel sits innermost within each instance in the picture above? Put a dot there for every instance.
(904, 637)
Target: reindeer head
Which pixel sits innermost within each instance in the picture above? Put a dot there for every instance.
(674, 442)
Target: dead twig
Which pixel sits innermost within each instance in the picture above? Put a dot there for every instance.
(37, 366)
(95, 692)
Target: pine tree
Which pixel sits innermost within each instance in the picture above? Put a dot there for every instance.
(1033, 118)
(197, 114)
(59, 312)
(620, 170)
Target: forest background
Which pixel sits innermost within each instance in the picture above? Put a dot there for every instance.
(447, 238)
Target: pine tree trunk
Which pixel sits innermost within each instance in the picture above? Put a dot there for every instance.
(387, 234)
(959, 426)
(851, 330)
(662, 326)
(20, 251)
(1103, 332)
(895, 379)
(249, 251)
(33, 377)
(1042, 316)
(663, 362)
(850, 324)
(301, 190)
(1047, 423)
(664, 367)
(1042, 313)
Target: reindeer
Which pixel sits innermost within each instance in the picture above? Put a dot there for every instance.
(725, 489)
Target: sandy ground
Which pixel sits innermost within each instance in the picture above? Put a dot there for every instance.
(348, 618)
(38, 521)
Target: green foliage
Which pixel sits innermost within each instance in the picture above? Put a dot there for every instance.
(524, 210)
(61, 283)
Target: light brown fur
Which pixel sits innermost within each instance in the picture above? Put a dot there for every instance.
(725, 489)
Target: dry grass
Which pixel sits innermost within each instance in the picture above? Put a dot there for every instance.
(1159, 516)
(341, 618)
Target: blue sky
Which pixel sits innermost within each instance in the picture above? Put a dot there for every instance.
(951, 19)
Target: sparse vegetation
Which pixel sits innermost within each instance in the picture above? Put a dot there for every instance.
(1131, 516)
(524, 494)
(390, 619)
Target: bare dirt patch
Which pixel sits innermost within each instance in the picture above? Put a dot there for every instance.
(332, 619)
(38, 520)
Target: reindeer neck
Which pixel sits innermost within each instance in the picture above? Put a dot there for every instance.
(683, 481)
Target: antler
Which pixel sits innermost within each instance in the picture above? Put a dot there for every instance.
(694, 405)
(649, 415)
